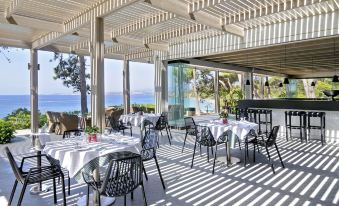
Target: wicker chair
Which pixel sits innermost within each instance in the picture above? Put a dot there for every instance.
(123, 176)
(34, 175)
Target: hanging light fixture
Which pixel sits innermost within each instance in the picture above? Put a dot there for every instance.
(267, 84)
(335, 77)
(248, 82)
(286, 81)
(281, 84)
(312, 84)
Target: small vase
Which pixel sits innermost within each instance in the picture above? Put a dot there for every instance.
(224, 121)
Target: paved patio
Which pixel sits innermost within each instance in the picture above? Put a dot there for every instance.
(310, 177)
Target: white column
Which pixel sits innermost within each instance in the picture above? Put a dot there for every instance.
(248, 88)
(33, 71)
(160, 83)
(98, 86)
(92, 57)
(126, 87)
(216, 92)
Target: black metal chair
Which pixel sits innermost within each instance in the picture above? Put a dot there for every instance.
(321, 126)
(123, 176)
(71, 133)
(148, 152)
(265, 119)
(162, 124)
(34, 175)
(190, 129)
(117, 125)
(240, 113)
(267, 143)
(252, 115)
(205, 138)
(223, 139)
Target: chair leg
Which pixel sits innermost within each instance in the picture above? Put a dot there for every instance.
(63, 188)
(162, 181)
(132, 195)
(124, 200)
(245, 156)
(123, 132)
(13, 192)
(143, 194)
(54, 192)
(200, 149)
(269, 159)
(143, 169)
(87, 197)
(22, 193)
(212, 150)
(183, 146)
(253, 152)
(276, 147)
(69, 184)
(169, 139)
(130, 129)
(195, 145)
(239, 143)
(169, 130)
(208, 154)
(215, 157)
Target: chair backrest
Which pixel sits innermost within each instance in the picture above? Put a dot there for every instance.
(149, 142)
(70, 133)
(14, 166)
(123, 175)
(161, 123)
(273, 136)
(114, 123)
(224, 137)
(189, 123)
(204, 136)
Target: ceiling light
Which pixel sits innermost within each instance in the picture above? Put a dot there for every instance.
(335, 78)
(281, 84)
(267, 84)
(248, 82)
(286, 81)
(312, 84)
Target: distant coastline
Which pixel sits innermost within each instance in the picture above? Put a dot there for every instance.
(67, 103)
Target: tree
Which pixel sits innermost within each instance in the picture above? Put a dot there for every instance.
(3, 51)
(72, 71)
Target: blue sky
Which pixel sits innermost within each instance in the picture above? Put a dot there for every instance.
(14, 78)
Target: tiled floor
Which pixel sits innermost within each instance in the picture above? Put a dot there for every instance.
(310, 177)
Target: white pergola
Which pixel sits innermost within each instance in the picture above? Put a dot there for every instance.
(156, 31)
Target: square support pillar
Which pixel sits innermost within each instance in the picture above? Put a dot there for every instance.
(33, 71)
(160, 83)
(126, 88)
(216, 92)
(97, 82)
(248, 88)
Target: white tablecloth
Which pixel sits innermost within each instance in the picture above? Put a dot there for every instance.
(136, 119)
(75, 154)
(239, 128)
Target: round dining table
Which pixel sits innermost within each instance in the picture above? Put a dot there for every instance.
(74, 154)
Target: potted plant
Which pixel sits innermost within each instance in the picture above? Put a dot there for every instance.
(223, 116)
(92, 133)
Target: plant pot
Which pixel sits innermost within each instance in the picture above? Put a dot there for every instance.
(92, 137)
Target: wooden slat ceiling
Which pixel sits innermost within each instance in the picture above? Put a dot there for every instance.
(299, 58)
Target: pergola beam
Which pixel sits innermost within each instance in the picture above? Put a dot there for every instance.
(274, 8)
(142, 23)
(139, 54)
(80, 45)
(180, 8)
(100, 9)
(174, 33)
(10, 10)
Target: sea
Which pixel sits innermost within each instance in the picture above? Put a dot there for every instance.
(64, 103)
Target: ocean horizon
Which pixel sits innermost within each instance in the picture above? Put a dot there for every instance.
(64, 103)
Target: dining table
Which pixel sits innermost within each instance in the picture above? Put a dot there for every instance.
(240, 129)
(138, 118)
(75, 155)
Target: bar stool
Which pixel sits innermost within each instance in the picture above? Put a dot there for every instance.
(321, 127)
(302, 123)
(252, 115)
(240, 113)
(265, 118)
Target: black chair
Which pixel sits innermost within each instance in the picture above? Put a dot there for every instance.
(205, 138)
(162, 124)
(34, 175)
(268, 142)
(123, 176)
(240, 113)
(223, 139)
(71, 133)
(148, 151)
(321, 126)
(117, 125)
(190, 129)
(265, 119)
(301, 115)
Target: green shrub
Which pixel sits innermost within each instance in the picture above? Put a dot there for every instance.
(21, 118)
(6, 131)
